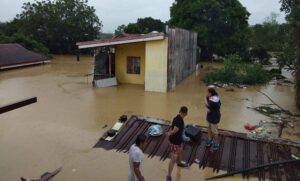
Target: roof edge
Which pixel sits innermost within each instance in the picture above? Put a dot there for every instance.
(83, 45)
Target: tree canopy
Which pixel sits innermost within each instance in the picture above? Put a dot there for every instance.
(142, 26)
(292, 55)
(57, 24)
(222, 26)
(270, 35)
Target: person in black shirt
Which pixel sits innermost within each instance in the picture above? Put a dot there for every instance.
(213, 104)
(175, 138)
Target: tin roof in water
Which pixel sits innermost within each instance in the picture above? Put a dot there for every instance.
(15, 54)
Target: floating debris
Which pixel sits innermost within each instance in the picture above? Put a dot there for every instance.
(245, 99)
(288, 82)
(46, 176)
(249, 127)
(267, 110)
(227, 87)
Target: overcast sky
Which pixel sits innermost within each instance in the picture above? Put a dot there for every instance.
(113, 13)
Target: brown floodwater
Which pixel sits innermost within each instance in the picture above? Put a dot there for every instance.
(63, 126)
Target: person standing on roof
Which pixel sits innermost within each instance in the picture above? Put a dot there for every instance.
(213, 104)
(136, 157)
(175, 138)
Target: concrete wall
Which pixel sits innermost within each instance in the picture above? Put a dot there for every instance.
(122, 52)
(156, 65)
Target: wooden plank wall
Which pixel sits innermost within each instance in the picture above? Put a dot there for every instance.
(182, 55)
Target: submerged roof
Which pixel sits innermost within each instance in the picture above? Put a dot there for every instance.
(123, 38)
(14, 54)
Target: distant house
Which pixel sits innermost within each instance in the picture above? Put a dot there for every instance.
(157, 60)
(14, 55)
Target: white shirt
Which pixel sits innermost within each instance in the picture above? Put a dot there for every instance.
(135, 155)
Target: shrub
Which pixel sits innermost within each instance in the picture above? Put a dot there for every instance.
(255, 74)
(237, 73)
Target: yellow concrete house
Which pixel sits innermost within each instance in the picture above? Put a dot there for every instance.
(159, 61)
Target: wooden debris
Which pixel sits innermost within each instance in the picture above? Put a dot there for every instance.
(46, 176)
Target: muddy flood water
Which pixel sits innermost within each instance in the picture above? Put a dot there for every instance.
(66, 122)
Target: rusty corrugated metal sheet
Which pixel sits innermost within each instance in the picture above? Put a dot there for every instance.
(236, 150)
(15, 54)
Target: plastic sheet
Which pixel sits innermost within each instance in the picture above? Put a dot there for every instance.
(155, 130)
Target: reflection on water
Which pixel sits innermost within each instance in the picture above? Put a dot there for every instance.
(61, 129)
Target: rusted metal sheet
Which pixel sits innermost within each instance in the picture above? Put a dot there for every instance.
(182, 55)
(16, 105)
(259, 169)
(237, 152)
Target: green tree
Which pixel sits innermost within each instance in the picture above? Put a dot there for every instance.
(8, 28)
(2, 28)
(26, 42)
(8, 35)
(58, 24)
(120, 29)
(269, 35)
(292, 9)
(142, 26)
(272, 19)
(133, 28)
(222, 26)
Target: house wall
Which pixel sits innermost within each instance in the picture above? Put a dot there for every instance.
(156, 65)
(182, 55)
(122, 51)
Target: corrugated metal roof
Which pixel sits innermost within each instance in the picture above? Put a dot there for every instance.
(15, 54)
(121, 39)
(236, 152)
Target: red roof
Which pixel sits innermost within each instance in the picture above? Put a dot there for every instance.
(122, 38)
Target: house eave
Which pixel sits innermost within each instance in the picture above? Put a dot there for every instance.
(83, 46)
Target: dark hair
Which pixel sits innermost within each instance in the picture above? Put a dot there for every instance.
(141, 138)
(212, 91)
(183, 110)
